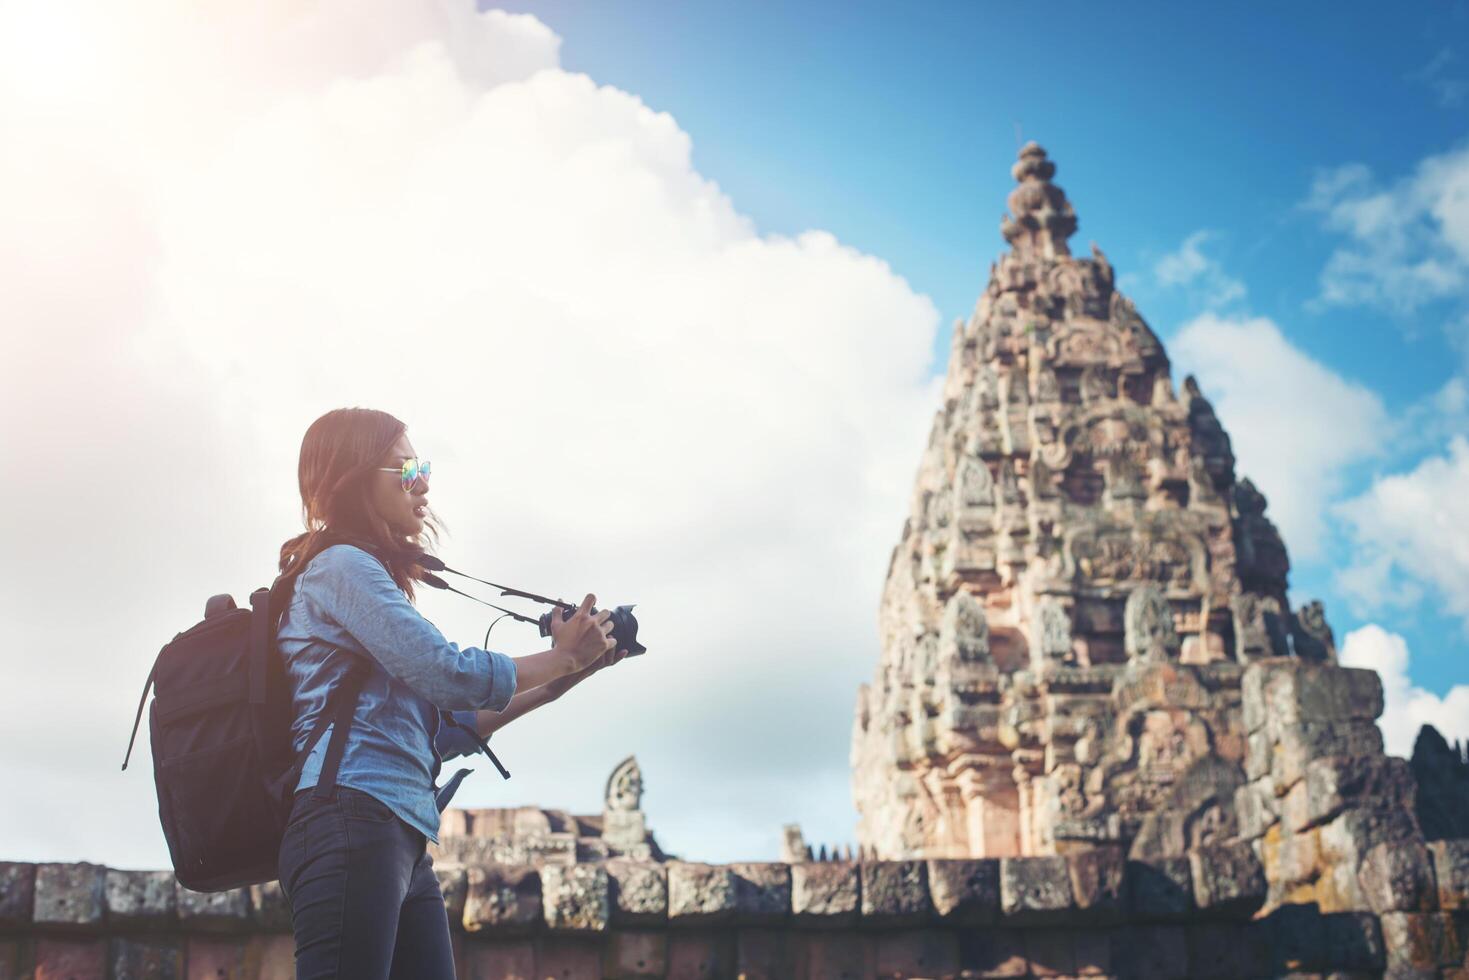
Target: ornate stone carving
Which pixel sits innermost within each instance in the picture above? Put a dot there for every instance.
(1067, 608)
(625, 786)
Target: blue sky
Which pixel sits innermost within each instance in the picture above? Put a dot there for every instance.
(894, 128)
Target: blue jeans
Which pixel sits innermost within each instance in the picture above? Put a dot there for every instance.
(364, 899)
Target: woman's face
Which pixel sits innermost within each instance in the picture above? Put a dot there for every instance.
(403, 512)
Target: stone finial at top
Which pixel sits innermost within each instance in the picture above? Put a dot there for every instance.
(625, 786)
(1040, 218)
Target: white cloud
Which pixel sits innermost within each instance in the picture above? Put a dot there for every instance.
(1294, 423)
(1406, 708)
(1413, 527)
(1407, 243)
(271, 212)
(1204, 278)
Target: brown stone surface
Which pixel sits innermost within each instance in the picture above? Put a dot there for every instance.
(965, 892)
(822, 955)
(568, 958)
(513, 960)
(150, 959)
(639, 892)
(213, 957)
(17, 893)
(69, 895)
(503, 898)
(272, 912)
(576, 898)
(992, 953)
(1228, 878)
(1035, 889)
(825, 895)
(916, 953)
(762, 892)
(227, 911)
(895, 892)
(1451, 873)
(765, 954)
(71, 959)
(1079, 582)
(700, 894)
(700, 955)
(1098, 883)
(635, 955)
(1160, 889)
(1399, 878)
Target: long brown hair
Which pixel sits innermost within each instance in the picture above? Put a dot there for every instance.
(339, 455)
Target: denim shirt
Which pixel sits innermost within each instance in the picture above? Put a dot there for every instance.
(344, 600)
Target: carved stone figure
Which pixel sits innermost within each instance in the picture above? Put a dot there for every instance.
(625, 786)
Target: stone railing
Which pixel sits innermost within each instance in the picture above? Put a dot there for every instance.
(1087, 914)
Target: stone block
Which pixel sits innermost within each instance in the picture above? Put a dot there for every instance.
(514, 960)
(916, 953)
(762, 892)
(271, 955)
(1256, 809)
(568, 958)
(227, 911)
(639, 892)
(71, 959)
(454, 886)
(1353, 941)
(1293, 938)
(700, 894)
(1297, 744)
(1228, 879)
(825, 894)
(271, 910)
(1297, 691)
(1335, 783)
(635, 954)
(576, 897)
(700, 955)
(1160, 889)
(823, 955)
(764, 954)
(139, 899)
(992, 953)
(965, 893)
(1050, 952)
(1035, 889)
(70, 895)
(1098, 883)
(894, 893)
(1252, 695)
(17, 959)
(1398, 878)
(502, 897)
(1217, 950)
(1156, 952)
(1421, 941)
(1259, 755)
(17, 893)
(215, 957)
(147, 959)
(1451, 871)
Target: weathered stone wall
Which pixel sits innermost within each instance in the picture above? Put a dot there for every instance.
(1089, 914)
(1333, 819)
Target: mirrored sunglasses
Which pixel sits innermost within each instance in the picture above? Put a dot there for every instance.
(411, 472)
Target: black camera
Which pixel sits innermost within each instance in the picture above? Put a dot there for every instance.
(624, 627)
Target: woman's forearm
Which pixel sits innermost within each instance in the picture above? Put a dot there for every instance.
(488, 722)
(539, 669)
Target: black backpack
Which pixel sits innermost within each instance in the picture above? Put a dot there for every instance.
(220, 727)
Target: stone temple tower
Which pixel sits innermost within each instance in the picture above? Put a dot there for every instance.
(1078, 588)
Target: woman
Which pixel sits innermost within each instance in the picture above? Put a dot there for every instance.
(364, 899)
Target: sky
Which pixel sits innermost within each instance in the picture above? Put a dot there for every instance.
(664, 291)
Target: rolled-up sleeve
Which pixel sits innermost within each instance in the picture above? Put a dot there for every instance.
(354, 589)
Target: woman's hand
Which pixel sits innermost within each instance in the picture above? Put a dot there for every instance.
(583, 638)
